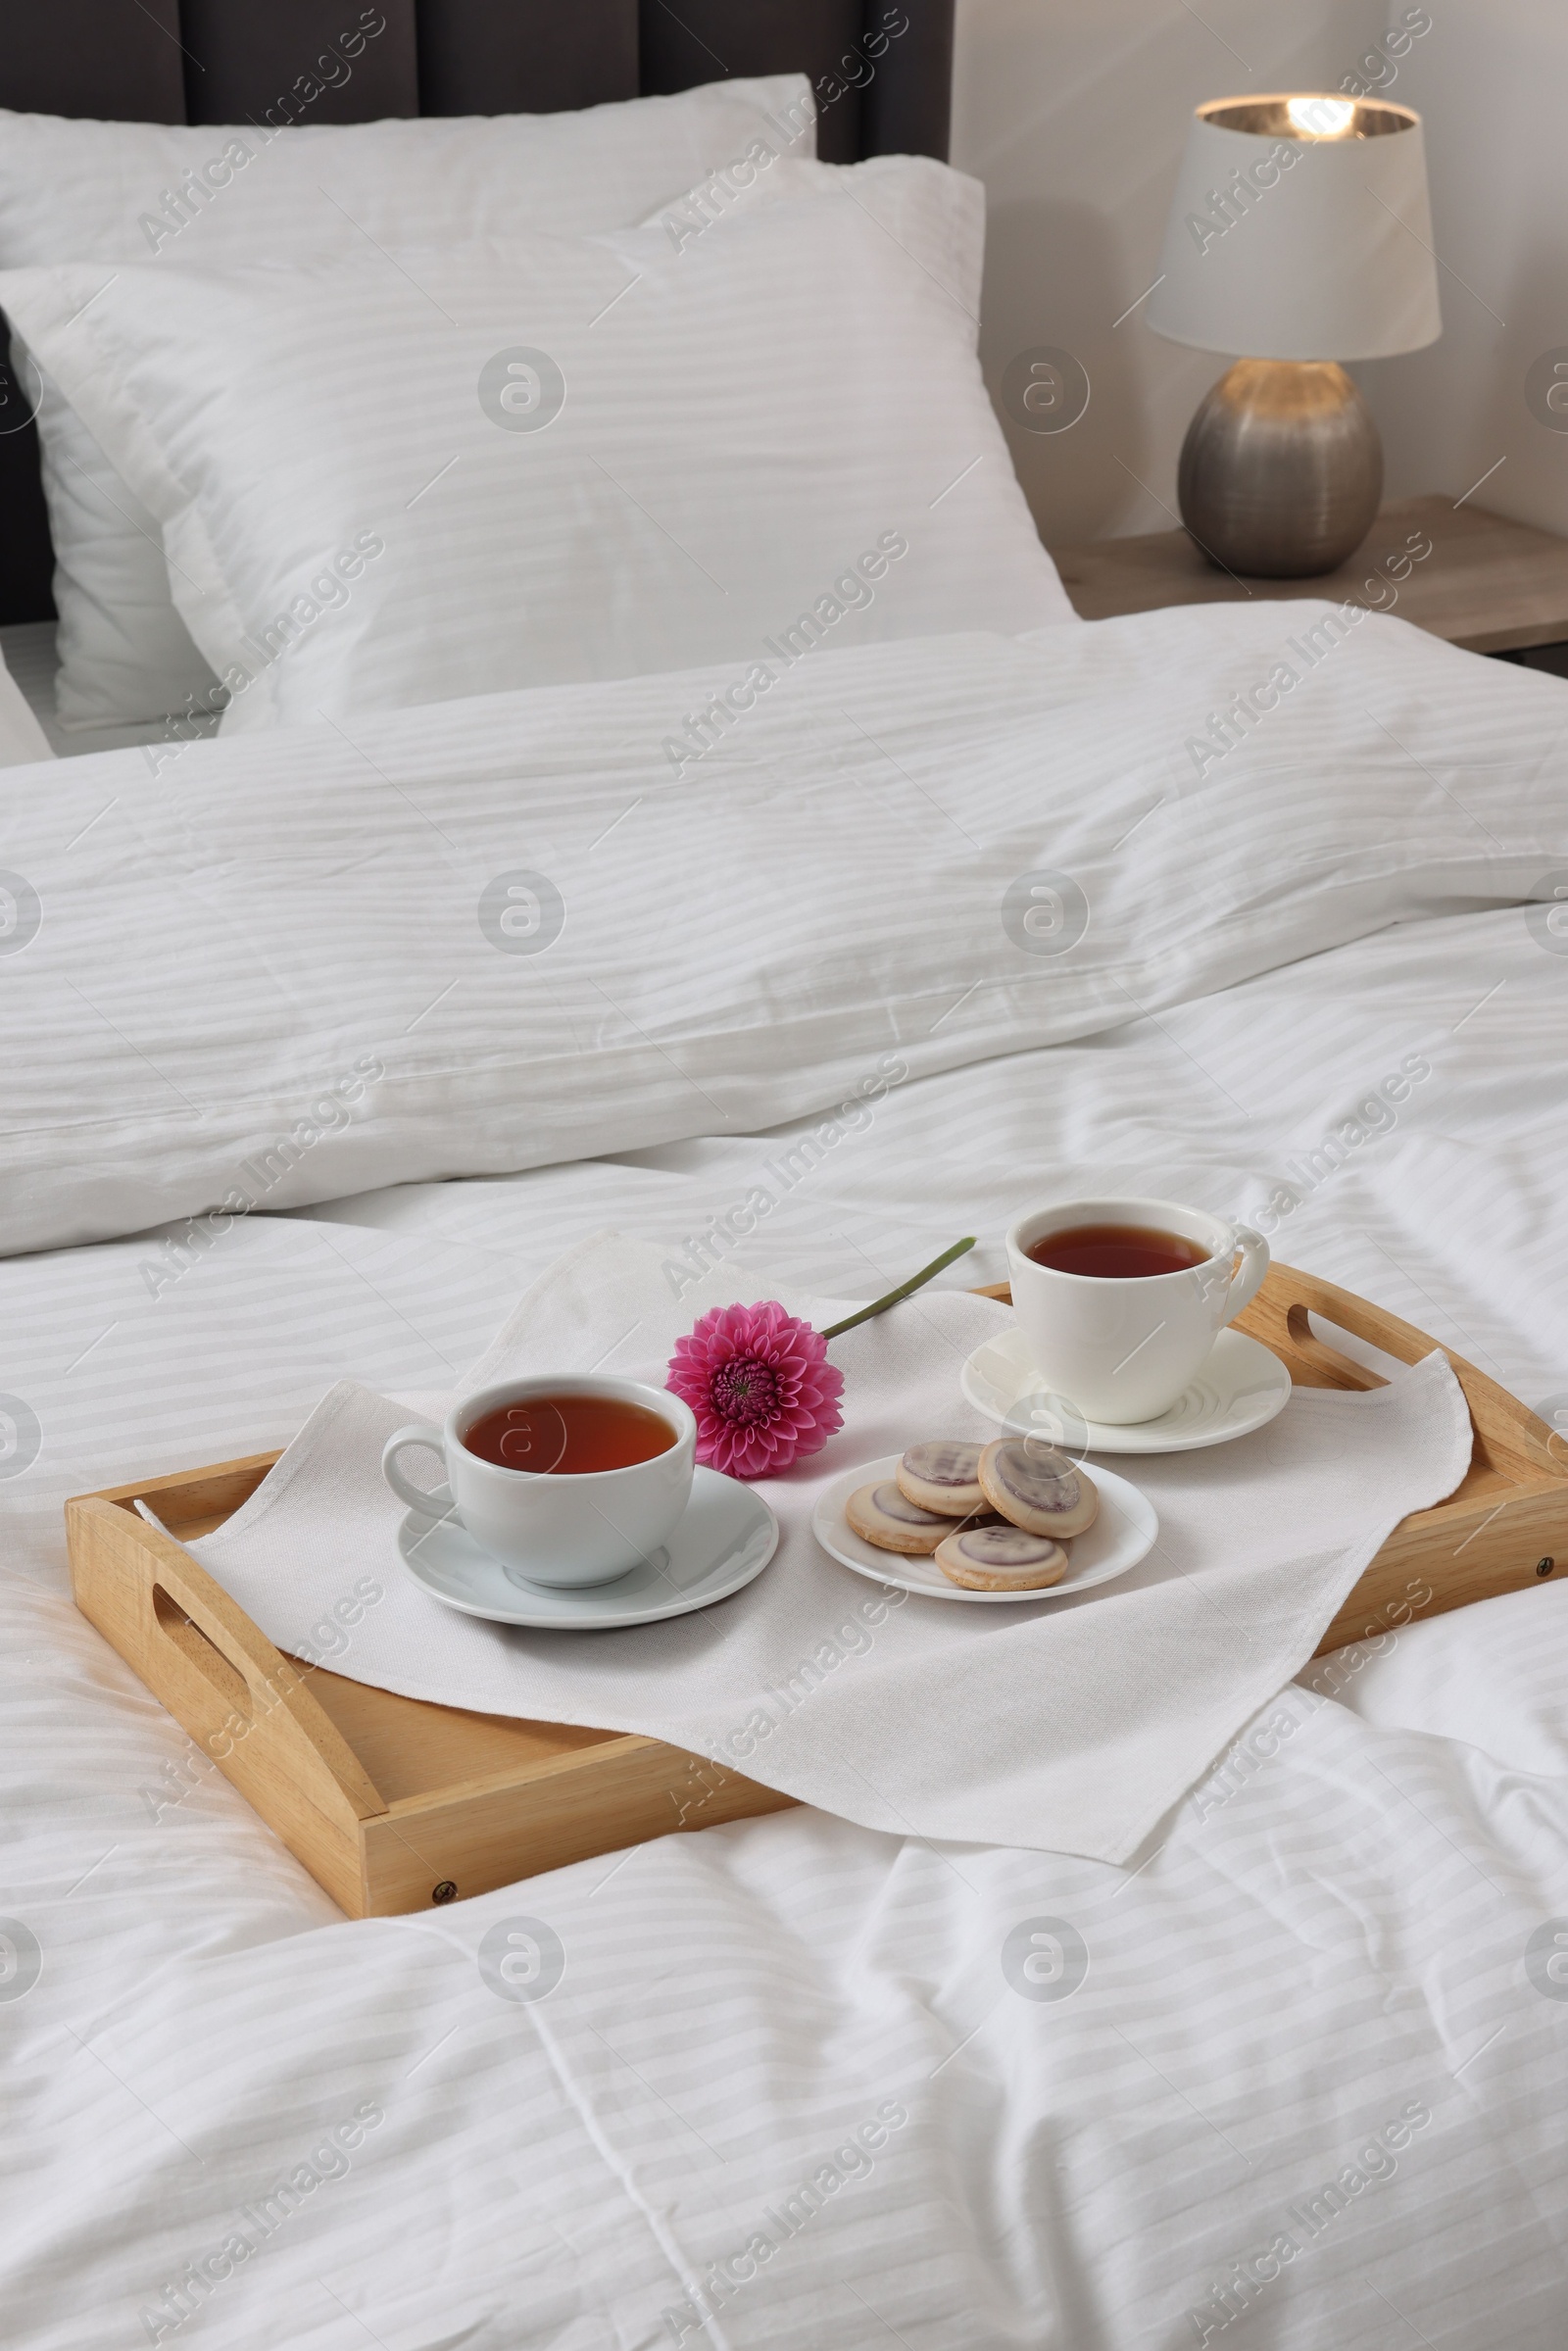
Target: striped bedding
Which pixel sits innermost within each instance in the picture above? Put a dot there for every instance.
(1287, 2079)
(498, 934)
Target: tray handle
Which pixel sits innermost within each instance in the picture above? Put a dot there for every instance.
(245, 1704)
(1509, 1438)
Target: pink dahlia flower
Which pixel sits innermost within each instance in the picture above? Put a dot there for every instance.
(760, 1386)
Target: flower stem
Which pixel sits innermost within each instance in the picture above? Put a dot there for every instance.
(905, 1290)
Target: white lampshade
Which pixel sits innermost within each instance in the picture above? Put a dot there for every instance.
(1300, 231)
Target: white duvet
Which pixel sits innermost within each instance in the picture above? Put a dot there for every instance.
(498, 934)
(1292, 2079)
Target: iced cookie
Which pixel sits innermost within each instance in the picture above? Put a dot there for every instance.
(1039, 1489)
(883, 1516)
(942, 1477)
(1001, 1559)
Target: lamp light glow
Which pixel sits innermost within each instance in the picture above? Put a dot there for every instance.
(1322, 117)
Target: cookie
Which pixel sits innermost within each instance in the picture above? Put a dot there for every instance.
(1001, 1559)
(941, 1476)
(1039, 1489)
(883, 1516)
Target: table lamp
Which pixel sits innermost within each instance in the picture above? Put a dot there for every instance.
(1300, 235)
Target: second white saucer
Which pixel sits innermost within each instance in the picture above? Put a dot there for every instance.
(1240, 1387)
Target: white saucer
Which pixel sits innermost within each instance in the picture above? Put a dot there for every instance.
(1123, 1533)
(1241, 1388)
(725, 1540)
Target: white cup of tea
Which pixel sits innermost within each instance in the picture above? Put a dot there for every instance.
(567, 1481)
(1120, 1300)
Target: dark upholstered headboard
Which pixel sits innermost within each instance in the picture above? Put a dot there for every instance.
(225, 61)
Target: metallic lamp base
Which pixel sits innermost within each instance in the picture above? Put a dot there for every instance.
(1281, 469)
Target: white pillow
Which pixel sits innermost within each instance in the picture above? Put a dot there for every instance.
(146, 193)
(437, 472)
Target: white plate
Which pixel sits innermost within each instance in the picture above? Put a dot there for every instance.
(1241, 1388)
(1123, 1533)
(725, 1540)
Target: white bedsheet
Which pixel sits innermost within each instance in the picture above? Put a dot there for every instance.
(23, 739)
(30, 653)
(1324, 1945)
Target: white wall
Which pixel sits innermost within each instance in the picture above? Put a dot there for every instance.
(1491, 80)
(1074, 114)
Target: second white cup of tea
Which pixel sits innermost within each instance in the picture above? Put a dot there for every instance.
(565, 1530)
(1123, 1349)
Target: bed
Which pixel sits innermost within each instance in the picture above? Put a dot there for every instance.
(786, 2092)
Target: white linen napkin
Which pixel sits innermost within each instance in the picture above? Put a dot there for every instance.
(1068, 1726)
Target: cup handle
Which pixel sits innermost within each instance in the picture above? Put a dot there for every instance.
(1247, 1279)
(434, 1502)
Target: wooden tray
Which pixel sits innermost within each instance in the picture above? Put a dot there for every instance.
(394, 1804)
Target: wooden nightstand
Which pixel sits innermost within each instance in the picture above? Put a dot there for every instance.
(1491, 585)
